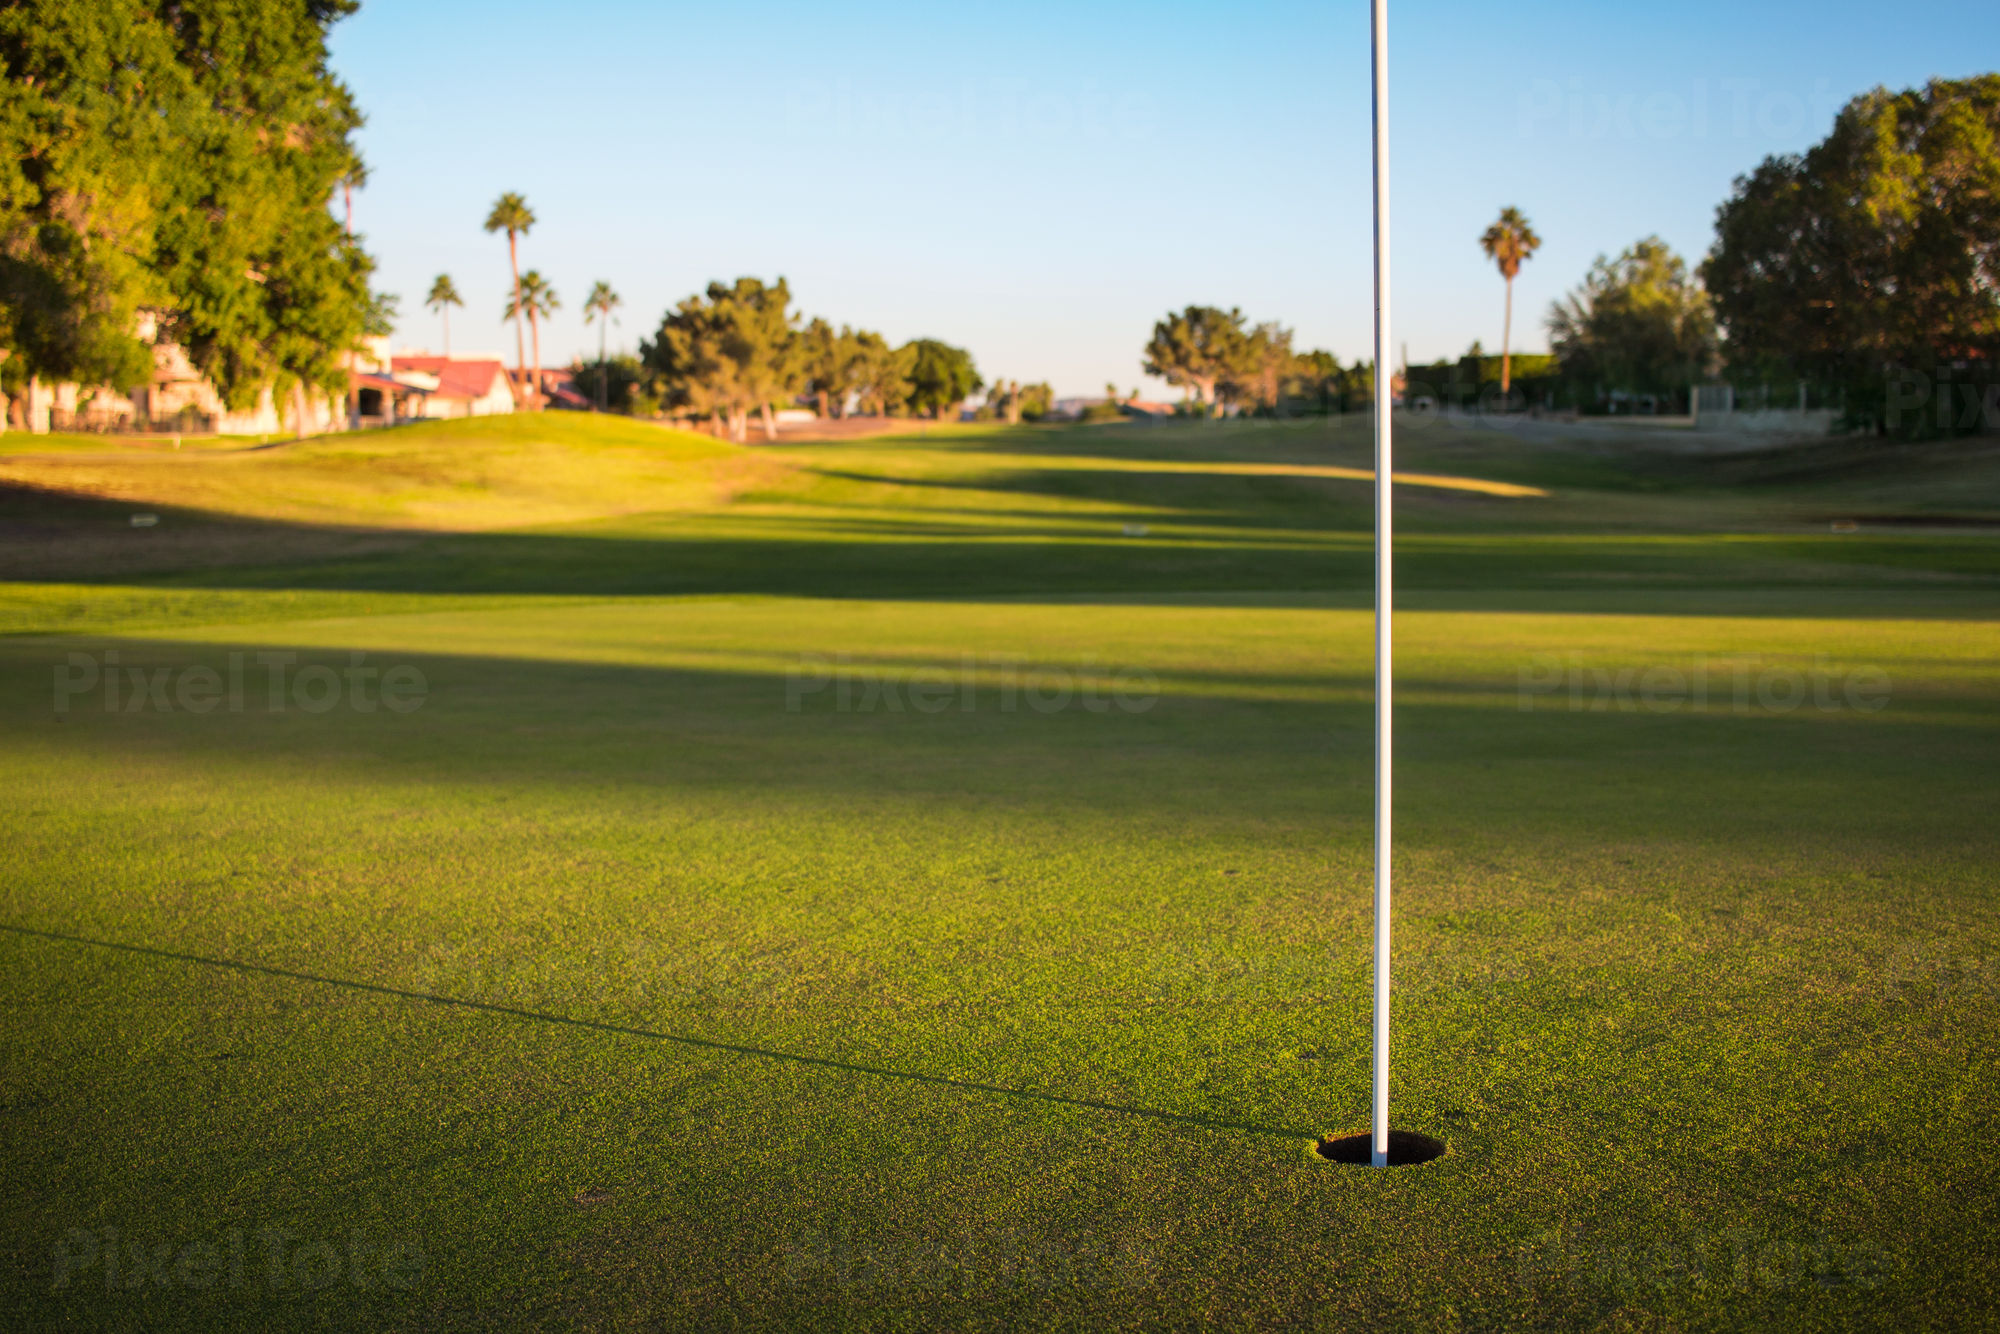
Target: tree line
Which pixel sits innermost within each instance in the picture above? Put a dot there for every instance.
(1870, 264)
(176, 161)
(1638, 327)
(739, 350)
(1222, 363)
(1849, 269)
(733, 352)
(1865, 271)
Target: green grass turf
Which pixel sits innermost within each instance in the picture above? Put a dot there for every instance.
(925, 882)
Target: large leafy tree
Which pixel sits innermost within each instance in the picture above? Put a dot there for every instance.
(1638, 323)
(178, 158)
(630, 385)
(1509, 243)
(941, 376)
(1874, 254)
(82, 184)
(535, 299)
(880, 374)
(823, 358)
(1198, 349)
(1031, 402)
(265, 285)
(694, 364)
(860, 353)
(728, 353)
(837, 366)
(379, 320)
(1008, 401)
(510, 214)
(766, 334)
(1261, 365)
(1319, 376)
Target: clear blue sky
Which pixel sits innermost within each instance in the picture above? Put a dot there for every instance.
(1039, 182)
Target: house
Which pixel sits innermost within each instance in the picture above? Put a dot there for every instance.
(178, 397)
(420, 385)
(175, 397)
(413, 385)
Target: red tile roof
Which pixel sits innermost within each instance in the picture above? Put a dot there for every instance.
(456, 379)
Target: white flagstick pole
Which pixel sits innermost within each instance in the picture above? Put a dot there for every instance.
(1383, 584)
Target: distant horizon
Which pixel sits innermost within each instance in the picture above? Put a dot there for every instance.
(986, 177)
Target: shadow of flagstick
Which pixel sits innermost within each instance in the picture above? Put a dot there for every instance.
(626, 1030)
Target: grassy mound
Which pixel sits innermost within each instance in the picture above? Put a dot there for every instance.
(486, 472)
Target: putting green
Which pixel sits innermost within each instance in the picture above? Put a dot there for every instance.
(925, 882)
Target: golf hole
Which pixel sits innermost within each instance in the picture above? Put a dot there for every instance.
(1406, 1149)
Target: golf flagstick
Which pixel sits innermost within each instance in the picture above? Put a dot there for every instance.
(1379, 1148)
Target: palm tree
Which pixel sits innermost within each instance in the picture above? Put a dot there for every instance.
(1507, 243)
(511, 215)
(356, 174)
(444, 295)
(598, 306)
(534, 298)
